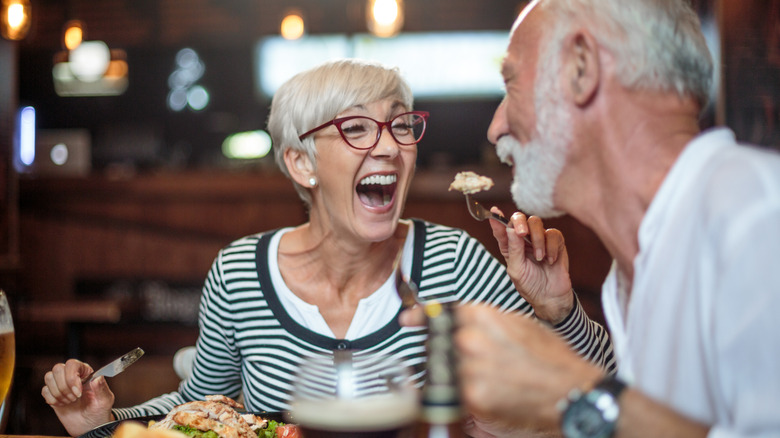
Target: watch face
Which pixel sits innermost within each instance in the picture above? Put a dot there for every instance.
(583, 419)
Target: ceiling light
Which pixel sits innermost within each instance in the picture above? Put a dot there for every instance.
(292, 26)
(15, 19)
(385, 18)
(73, 35)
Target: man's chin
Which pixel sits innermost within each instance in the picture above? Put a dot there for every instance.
(532, 203)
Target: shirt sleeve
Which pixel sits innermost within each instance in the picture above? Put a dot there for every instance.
(587, 337)
(157, 406)
(484, 279)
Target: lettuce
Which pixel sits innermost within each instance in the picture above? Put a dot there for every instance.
(268, 432)
(195, 433)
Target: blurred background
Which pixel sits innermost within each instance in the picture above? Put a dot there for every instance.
(133, 148)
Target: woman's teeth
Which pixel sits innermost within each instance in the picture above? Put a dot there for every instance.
(379, 179)
(377, 190)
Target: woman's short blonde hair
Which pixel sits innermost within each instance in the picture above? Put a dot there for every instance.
(318, 95)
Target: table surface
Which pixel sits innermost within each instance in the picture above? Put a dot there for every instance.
(28, 436)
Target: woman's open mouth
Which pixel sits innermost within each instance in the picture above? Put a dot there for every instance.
(377, 190)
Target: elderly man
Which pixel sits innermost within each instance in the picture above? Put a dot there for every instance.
(600, 121)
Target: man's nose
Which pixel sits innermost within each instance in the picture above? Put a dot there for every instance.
(498, 126)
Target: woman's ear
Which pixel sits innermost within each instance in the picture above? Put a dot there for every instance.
(581, 67)
(300, 167)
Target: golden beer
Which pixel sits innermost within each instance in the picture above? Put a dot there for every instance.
(7, 347)
(7, 360)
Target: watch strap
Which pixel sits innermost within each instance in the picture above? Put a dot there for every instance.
(612, 385)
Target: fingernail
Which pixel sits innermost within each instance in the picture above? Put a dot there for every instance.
(539, 255)
(550, 260)
(76, 391)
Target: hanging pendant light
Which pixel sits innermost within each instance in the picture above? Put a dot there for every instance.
(385, 18)
(15, 18)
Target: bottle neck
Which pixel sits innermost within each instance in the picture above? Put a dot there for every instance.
(441, 393)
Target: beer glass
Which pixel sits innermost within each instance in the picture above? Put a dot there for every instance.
(7, 357)
(7, 347)
(354, 395)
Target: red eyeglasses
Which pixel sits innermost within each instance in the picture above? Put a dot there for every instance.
(363, 133)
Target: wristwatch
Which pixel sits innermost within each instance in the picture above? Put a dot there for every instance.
(592, 414)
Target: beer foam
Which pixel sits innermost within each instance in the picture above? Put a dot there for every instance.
(366, 414)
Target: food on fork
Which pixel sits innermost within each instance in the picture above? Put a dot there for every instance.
(469, 183)
(216, 417)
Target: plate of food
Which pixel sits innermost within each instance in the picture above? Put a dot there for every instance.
(216, 417)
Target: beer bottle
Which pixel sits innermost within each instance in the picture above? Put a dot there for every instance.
(441, 415)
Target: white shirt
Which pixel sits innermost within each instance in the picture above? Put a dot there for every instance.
(701, 328)
(372, 313)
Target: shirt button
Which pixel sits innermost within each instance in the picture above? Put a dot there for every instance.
(342, 345)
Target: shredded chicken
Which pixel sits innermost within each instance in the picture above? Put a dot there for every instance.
(217, 413)
(469, 183)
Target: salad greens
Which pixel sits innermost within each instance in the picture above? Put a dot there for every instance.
(268, 432)
(195, 433)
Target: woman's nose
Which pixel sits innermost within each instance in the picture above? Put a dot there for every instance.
(386, 146)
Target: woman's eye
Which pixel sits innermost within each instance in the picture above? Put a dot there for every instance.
(401, 127)
(353, 128)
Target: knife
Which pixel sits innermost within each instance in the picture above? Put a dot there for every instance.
(117, 366)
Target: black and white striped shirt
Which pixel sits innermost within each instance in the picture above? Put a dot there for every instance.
(248, 344)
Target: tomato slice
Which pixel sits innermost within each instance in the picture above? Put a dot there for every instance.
(288, 431)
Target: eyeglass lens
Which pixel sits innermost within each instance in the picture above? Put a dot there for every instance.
(363, 132)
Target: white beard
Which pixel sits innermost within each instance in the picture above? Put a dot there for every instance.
(539, 163)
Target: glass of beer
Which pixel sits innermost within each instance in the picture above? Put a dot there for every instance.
(354, 394)
(7, 347)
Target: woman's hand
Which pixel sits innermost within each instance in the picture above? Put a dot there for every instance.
(80, 407)
(539, 271)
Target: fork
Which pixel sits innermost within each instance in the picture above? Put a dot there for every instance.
(406, 288)
(480, 213)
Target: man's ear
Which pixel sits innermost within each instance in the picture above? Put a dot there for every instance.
(581, 67)
(299, 165)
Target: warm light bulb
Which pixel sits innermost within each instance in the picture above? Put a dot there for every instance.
(385, 11)
(74, 35)
(385, 18)
(15, 20)
(292, 27)
(15, 15)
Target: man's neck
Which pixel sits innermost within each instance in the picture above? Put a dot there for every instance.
(631, 144)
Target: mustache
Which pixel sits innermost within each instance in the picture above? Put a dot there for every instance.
(504, 147)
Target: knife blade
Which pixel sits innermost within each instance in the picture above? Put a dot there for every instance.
(116, 366)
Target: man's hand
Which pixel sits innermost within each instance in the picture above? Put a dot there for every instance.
(539, 271)
(514, 370)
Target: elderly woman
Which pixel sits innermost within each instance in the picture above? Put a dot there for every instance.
(346, 135)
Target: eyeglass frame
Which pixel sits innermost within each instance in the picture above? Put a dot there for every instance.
(338, 121)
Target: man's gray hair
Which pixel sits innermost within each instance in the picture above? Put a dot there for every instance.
(318, 95)
(657, 44)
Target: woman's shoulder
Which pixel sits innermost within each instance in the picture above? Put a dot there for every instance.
(435, 228)
(248, 243)
(431, 231)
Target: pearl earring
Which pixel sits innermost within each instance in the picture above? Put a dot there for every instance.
(312, 181)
